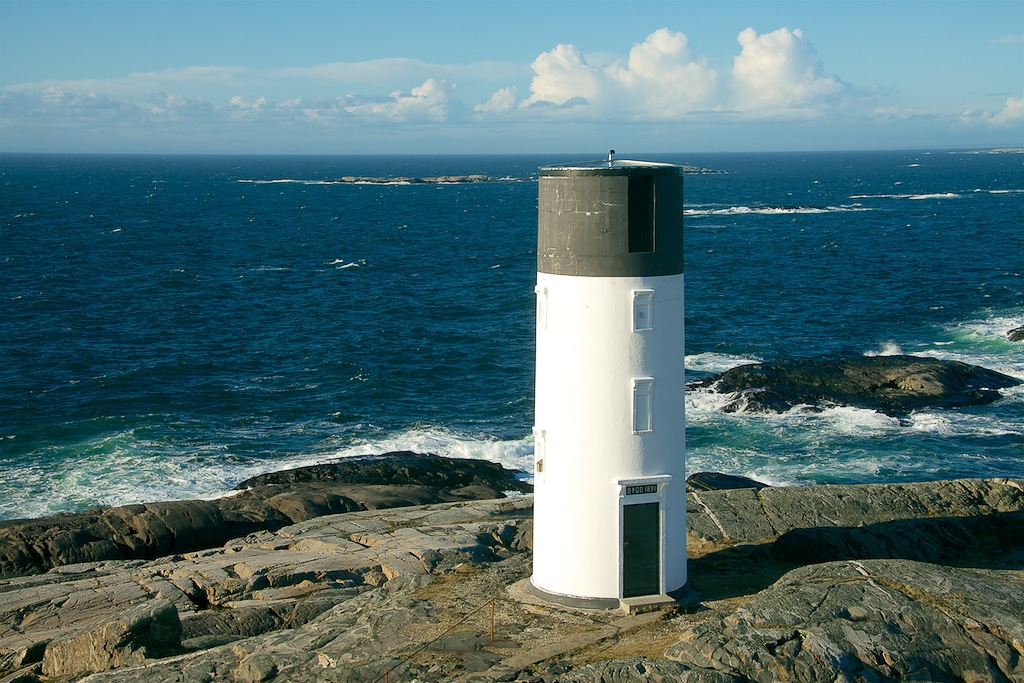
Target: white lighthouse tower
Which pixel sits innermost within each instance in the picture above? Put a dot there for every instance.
(610, 499)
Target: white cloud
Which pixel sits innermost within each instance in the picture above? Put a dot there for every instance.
(173, 103)
(430, 101)
(501, 101)
(659, 80)
(561, 75)
(59, 98)
(1012, 114)
(240, 103)
(779, 73)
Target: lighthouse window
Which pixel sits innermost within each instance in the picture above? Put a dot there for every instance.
(539, 438)
(642, 405)
(542, 307)
(641, 214)
(643, 301)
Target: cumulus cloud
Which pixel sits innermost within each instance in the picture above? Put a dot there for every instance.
(500, 101)
(660, 79)
(57, 97)
(780, 73)
(663, 78)
(428, 102)
(173, 103)
(1012, 114)
(239, 103)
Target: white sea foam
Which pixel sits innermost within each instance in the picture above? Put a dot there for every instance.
(769, 210)
(122, 468)
(711, 362)
(889, 348)
(341, 263)
(915, 197)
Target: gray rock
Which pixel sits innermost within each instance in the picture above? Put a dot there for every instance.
(758, 515)
(346, 597)
(644, 670)
(874, 620)
(895, 385)
(1016, 334)
(150, 629)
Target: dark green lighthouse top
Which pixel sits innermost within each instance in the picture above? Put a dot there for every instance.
(610, 218)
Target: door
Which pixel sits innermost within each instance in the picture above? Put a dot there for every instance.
(641, 549)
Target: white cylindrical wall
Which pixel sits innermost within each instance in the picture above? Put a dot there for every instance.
(591, 353)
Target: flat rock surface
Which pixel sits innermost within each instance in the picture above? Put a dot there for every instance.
(435, 593)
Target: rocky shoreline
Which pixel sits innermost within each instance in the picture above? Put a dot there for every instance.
(920, 581)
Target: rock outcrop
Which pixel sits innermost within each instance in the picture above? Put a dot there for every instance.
(850, 583)
(894, 385)
(266, 502)
(1016, 334)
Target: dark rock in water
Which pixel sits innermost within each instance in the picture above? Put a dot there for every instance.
(716, 481)
(894, 385)
(270, 502)
(1016, 334)
(397, 468)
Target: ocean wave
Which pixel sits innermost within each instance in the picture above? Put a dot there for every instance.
(341, 264)
(889, 348)
(712, 363)
(770, 210)
(127, 467)
(915, 197)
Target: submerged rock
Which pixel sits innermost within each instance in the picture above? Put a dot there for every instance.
(894, 385)
(716, 481)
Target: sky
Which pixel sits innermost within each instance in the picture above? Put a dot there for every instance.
(507, 76)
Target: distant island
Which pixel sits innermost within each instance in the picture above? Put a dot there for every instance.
(458, 179)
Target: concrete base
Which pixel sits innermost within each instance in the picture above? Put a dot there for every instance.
(645, 603)
(571, 600)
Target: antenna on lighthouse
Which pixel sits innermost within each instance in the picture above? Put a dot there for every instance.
(610, 431)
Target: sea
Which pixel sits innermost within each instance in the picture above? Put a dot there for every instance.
(171, 325)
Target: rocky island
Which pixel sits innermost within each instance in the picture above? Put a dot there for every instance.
(461, 179)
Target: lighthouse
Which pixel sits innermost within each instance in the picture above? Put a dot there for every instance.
(609, 433)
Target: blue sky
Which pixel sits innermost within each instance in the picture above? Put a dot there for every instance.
(447, 76)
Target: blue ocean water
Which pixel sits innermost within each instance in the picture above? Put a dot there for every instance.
(171, 325)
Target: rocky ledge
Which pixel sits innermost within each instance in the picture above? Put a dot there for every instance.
(826, 583)
(895, 385)
(266, 502)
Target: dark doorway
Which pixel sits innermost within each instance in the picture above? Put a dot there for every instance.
(641, 549)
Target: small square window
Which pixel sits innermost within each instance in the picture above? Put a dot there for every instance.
(643, 305)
